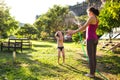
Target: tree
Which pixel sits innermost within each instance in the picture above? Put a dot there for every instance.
(28, 31)
(8, 24)
(113, 0)
(109, 17)
(52, 21)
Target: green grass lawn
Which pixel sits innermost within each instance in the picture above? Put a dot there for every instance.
(40, 63)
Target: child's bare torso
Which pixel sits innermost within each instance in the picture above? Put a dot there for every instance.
(60, 42)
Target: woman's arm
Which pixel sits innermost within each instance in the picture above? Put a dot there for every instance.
(82, 28)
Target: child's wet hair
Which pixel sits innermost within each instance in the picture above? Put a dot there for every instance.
(62, 33)
(57, 35)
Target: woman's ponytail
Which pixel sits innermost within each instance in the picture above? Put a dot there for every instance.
(95, 11)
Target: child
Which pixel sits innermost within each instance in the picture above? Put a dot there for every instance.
(59, 37)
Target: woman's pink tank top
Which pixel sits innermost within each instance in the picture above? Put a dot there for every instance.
(91, 31)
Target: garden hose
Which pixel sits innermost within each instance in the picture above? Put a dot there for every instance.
(97, 71)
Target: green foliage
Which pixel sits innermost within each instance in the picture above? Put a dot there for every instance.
(109, 17)
(8, 24)
(44, 35)
(28, 31)
(76, 37)
(83, 19)
(113, 0)
(52, 21)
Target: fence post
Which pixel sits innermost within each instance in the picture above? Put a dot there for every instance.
(14, 56)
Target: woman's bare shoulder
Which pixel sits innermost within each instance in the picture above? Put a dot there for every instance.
(93, 20)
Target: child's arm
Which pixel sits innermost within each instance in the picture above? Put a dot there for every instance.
(56, 35)
(60, 36)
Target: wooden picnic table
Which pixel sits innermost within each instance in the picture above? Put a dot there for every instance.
(24, 41)
(17, 43)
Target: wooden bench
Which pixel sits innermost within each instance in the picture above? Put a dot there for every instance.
(114, 46)
(111, 46)
(14, 45)
(25, 42)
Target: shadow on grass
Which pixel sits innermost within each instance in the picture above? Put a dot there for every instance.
(111, 64)
(11, 69)
(17, 69)
(35, 45)
(71, 68)
(30, 50)
(98, 78)
(107, 63)
(46, 70)
(5, 50)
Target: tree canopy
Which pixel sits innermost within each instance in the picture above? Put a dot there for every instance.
(109, 17)
(8, 24)
(52, 21)
(27, 31)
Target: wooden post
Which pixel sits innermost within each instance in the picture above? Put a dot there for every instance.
(14, 56)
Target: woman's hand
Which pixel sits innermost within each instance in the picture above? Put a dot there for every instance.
(70, 32)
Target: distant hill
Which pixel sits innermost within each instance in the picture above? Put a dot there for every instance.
(80, 8)
(21, 24)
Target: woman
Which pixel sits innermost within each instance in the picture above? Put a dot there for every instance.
(90, 26)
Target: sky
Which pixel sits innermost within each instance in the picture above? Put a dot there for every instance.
(25, 11)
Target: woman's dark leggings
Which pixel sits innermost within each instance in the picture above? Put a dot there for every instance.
(91, 51)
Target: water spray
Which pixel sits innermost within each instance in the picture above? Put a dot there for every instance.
(70, 19)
